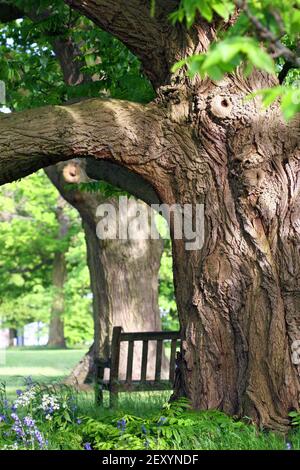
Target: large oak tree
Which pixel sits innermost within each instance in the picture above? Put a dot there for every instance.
(199, 141)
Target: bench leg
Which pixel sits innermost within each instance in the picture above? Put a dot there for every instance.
(99, 376)
(113, 398)
(98, 395)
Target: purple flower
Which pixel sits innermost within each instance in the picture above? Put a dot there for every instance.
(121, 424)
(39, 438)
(289, 446)
(15, 417)
(19, 392)
(87, 446)
(29, 422)
(78, 421)
(13, 407)
(18, 430)
(2, 418)
(161, 421)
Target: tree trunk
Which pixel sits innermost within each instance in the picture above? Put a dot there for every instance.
(124, 282)
(12, 336)
(56, 327)
(199, 142)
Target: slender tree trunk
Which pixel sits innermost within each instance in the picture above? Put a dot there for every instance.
(12, 336)
(56, 326)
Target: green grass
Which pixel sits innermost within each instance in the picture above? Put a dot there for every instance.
(43, 365)
(141, 404)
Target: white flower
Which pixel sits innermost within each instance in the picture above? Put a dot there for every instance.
(26, 398)
(49, 403)
(10, 447)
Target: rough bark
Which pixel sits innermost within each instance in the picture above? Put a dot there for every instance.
(56, 325)
(238, 297)
(124, 280)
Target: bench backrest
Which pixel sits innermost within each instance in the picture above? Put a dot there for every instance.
(115, 385)
(159, 336)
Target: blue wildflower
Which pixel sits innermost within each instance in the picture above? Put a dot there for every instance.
(121, 424)
(39, 438)
(289, 446)
(161, 421)
(2, 418)
(18, 430)
(78, 421)
(19, 392)
(15, 417)
(87, 446)
(144, 430)
(29, 422)
(29, 382)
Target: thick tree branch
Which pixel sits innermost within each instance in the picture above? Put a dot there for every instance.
(125, 134)
(67, 52)
(285, 70)
(122, 178)
(155, 41)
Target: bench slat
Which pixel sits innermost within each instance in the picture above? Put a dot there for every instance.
(114, 385)
(153, 335)
(129, 361)
(144, 361)
(159, 348)
(115, 362)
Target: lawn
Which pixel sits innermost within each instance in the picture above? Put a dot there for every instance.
(43, 365)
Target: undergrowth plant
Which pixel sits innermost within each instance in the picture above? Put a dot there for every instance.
(56, 417)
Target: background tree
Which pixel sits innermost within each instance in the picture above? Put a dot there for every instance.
(59, 275)
(199, 141)
(29, 241)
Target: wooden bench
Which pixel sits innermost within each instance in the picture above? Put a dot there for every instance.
(114, 385)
